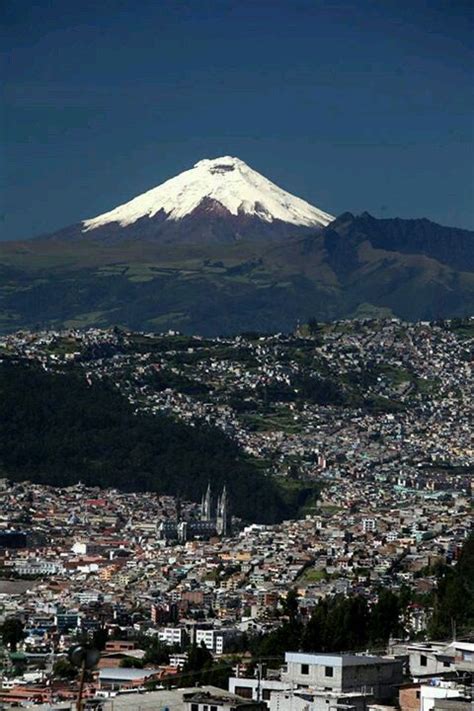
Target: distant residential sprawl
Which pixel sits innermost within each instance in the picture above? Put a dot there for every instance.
(278, 522)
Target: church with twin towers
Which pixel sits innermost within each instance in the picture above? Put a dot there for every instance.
(212, 520)
(220, 515)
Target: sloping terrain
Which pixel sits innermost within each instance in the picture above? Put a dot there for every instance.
(56, 429)
(356, 266)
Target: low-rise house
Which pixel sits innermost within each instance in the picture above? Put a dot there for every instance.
(378, 676)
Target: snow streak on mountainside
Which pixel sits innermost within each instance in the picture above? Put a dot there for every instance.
(227, 181)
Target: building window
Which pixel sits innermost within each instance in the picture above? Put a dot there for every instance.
(305, 668)
(423, 660)
(266, 694)
(244, 691)
(446, 664)
(328, 671)
(194, 707)
(418, 694)
(213, 708)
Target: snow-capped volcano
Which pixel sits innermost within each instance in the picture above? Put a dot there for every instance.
(213, 190)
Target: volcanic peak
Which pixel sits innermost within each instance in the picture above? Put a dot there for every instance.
(225, 180)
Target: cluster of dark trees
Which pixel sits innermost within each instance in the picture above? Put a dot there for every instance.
(337, 624)
(12, 632)
(161, 380)
(304, 387)
(137, 343)
(453, 602)
(156, 652)
(462, 326)
(56, 429)
(349, 623)
(327, 390)
(64, 669)
(200, 668)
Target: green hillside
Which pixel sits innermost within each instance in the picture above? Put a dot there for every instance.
(56, 429)
(358, 266)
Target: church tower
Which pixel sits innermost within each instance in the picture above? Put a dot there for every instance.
(206, 505)
(223, 518)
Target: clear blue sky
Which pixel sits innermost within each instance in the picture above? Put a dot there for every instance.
(352, 104)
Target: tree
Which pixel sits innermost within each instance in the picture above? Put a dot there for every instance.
(132, 663)
(156, 652)
(385, 617)
(454, 597)
(337, 624)
(198, 657)
(99, 638)
(314, 637)
(290, 604)
(315, 329)
(64, 669)
(12, 632)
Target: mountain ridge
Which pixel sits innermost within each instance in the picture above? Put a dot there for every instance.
(215, 272)
(451, 245)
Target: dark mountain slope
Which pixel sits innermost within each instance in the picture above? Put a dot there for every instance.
(449, 245)
(348, 260)
(209, 224)
(56, 429)
(355, 266)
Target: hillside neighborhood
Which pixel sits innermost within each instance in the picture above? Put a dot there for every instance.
(373, 419)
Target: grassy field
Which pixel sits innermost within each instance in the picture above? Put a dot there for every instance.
(395, 374)
(282, 420)
(311, 576)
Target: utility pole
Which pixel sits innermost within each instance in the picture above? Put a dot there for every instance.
(259, 679)
(83, 658)
(81, 685)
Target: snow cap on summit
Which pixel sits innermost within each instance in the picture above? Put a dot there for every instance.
(226, 180)
(213, 162)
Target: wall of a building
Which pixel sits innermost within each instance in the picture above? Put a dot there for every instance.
(409, 698)
(378, 679)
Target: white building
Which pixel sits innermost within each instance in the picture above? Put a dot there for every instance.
(257, 689)
(178, 660)
(215, 640)
(438, 689)
(369, 525)
(38, 567)
(171, 636)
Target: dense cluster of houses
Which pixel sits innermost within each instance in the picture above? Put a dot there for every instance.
(396, 497)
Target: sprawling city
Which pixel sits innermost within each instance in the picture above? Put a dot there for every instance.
(348, 584)
(236, 355)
